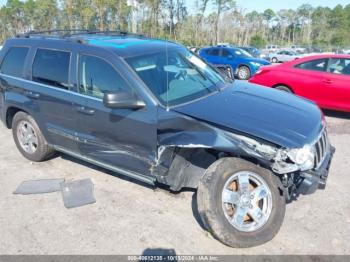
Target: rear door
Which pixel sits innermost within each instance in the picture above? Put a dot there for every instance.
(11, 76)
(122, 138)
(50, 88)
(307, 80)
(337, 83)
(213, 56)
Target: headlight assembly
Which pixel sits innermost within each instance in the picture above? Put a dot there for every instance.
(255, 64)
(304, 157)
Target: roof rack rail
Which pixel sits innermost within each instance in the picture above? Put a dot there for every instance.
(71, 32)
(115, 32)
(54, 32)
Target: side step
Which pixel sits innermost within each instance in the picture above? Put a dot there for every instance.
(137, 176)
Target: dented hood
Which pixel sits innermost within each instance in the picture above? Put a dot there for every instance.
(275, 116)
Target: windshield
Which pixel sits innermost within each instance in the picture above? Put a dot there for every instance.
(242, 53)
(177, 76)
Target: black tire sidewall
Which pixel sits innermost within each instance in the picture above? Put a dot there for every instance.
(210, 205)
(284, 89)
(43, 151)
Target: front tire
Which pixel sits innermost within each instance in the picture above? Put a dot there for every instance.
(29, 139)
(240, 203)
(243, 73)
(274, 60)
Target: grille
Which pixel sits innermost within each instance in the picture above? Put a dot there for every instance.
(321, 148)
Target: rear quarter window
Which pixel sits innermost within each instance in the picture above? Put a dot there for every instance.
(13, 63)
(213, 52)
(51, 67)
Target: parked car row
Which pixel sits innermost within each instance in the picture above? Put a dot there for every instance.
(242, 62)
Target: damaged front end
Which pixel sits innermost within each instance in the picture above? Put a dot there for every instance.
(184, 156)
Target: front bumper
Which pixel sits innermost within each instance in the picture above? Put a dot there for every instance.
(316, 179)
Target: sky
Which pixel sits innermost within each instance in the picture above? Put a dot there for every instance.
(261, 5)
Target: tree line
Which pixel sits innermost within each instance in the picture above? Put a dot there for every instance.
(195, 23)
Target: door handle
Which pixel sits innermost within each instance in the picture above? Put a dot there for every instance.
(84, 110)
(31, 94)
(327, 81)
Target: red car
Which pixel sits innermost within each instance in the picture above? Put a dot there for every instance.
(324, 79)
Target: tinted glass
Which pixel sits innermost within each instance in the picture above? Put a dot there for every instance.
(314, 65)
(14, 61)
(97, 77)
(51, 67)
(242, 53)
(176, 76)
(213, 52)
(226, 53)
(340, 66)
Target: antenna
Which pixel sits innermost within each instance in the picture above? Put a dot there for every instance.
(167, 74)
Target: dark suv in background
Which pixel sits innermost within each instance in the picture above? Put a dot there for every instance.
(154, 111)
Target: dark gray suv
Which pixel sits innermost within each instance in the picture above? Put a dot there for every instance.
(153, 111)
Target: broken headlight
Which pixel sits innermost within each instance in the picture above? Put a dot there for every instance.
(303, 157)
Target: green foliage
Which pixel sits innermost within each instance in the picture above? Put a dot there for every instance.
(173, 20)
(257, 41)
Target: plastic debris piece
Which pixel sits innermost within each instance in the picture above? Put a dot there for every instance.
(78, 193)
(40, 186)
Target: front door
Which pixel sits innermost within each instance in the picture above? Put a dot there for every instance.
(309, 82)
(122, 138)
(337, 85)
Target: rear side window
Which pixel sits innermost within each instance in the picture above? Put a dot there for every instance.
(340, 66)
(51, 67)
(13, 63)
(97, 77)
(314, 65)
(213, 52)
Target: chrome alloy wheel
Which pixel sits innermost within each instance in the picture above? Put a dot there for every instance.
(27, 137)
(246, 201)
(243, 73)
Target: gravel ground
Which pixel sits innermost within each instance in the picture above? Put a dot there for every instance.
(130, 217)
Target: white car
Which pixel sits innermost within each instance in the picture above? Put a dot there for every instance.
(298, 48)
(272, 48)
(283, 56)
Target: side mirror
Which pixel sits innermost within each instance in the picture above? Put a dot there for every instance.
(122, 100)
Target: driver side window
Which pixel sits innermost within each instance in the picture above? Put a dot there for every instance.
(97, 77)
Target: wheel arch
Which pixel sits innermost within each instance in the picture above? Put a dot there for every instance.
(188, 165)
(10, 113)
(245, 65)
(282, 84)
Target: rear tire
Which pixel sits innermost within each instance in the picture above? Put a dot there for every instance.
(284, 89)
(258, 221)
(29, 139)
(243, 73)
(274, 60)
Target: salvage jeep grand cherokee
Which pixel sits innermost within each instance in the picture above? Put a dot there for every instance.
(153, 111)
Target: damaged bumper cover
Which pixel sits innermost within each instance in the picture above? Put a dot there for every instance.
(316, 179)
